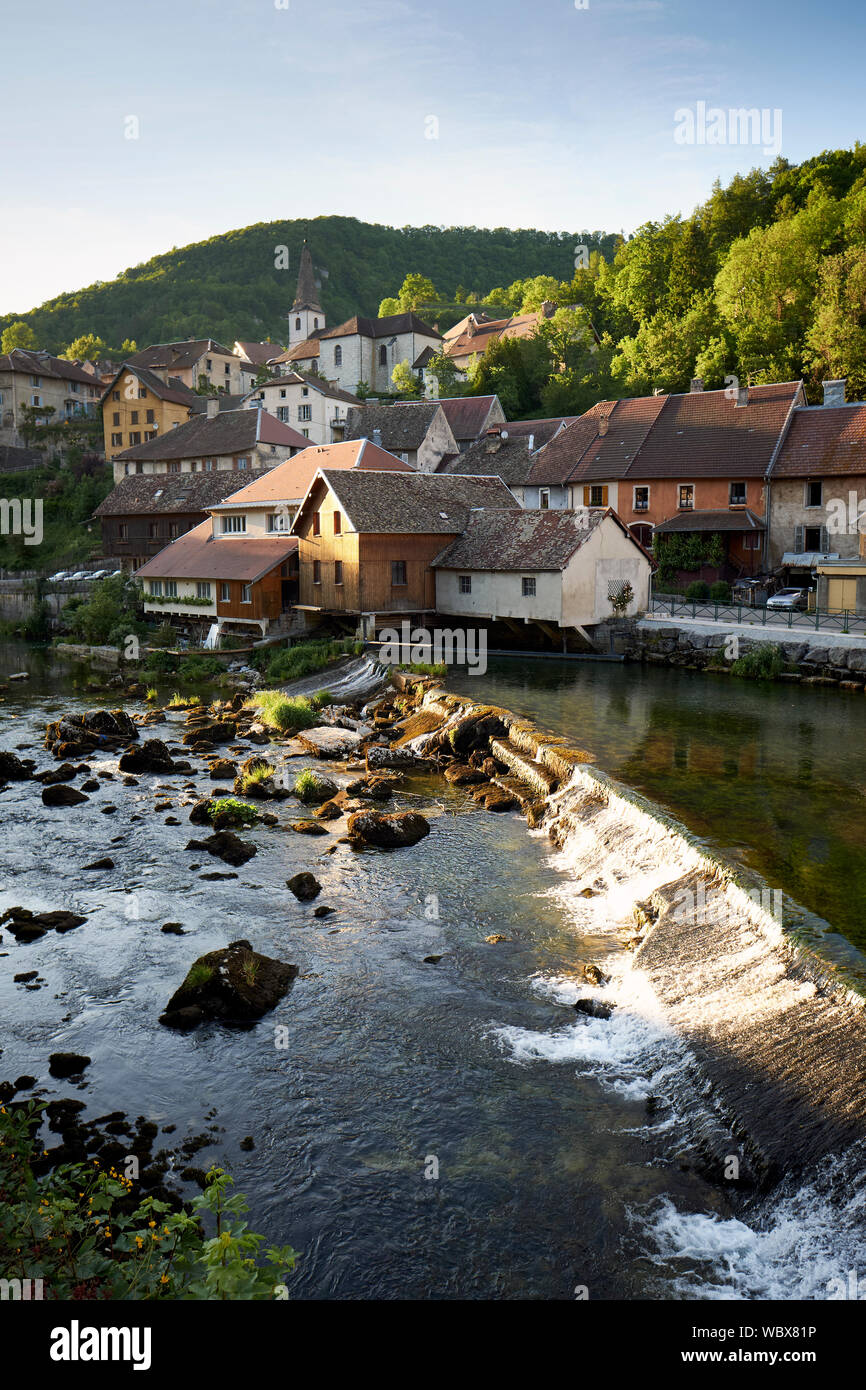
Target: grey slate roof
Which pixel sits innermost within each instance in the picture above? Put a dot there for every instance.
(532, 541)
(402, 426)
(178, 355)
(391, 503)
(225, 433)
(171, 390)
(154, 493)
(508, 459)
(381, 328)
(740, 521)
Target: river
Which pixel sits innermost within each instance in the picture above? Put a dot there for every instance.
(444, 1130)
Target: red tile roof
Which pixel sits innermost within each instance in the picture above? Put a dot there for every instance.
(824, 440)
(197, 555)
(290, 481)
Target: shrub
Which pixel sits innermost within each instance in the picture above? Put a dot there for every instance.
(307, 657)
(720, 592)
(762, 663)
(425, 668)
(698, 591)
(321, 698)
(179, 701)
(228, 810)
(151, 694)
(81, 1230)
(279, 711)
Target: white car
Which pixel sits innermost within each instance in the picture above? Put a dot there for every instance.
(61, 574)
(789, 600)
(79, 574)
(98, 574)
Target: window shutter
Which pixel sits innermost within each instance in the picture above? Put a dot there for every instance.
(825, 540)
(799, 539)
(604, 497)
(586, 495)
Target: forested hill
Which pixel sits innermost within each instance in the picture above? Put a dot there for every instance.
(230, 287)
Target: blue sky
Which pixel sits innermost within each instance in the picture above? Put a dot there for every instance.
(549, 115)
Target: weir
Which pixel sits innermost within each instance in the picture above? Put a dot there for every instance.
(770, 1004)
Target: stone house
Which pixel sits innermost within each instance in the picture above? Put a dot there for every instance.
(418, 432)
(230, 440)
(38, 381)
(138, 405)
(197, 362)
(310, 404)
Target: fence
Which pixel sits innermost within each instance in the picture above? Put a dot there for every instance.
(816, 620)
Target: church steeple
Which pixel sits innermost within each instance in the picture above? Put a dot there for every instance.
(307, 296)
(306, 318)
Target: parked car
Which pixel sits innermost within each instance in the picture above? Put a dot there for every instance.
(788, 599)
(79, 574)
(61, 574)
(98, 574)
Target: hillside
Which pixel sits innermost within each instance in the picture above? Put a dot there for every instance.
(228, 287)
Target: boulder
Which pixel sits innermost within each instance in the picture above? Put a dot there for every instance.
(494, 798)
(64, 773)
(63, 1064)
(594, 1008)
(380, 755)
(475, 730)
(329, 810)
(325, 741)
(78, 734)
(150, 756)
(308, 827)
(223, 770)
(234, 984)
(395, 831)
(225, 845)
(100, 864)
(213, 731)
(62, 795)
(305, 886)
(461, 775)
(316, 789)
(15, 769)
(28, 926)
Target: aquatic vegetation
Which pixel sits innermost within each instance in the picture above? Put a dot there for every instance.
(763, 663)
(283, 712)
(79, 1230)
(179, 701)
(307, 657)
(228, 810)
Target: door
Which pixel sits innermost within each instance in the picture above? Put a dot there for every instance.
(842, 595)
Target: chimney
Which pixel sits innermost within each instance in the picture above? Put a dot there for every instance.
(696, 384)
(471, 327)
(742, 396)
(603, 425)
(212, 406)
(377, 438)
(531, 442)
(834, 391)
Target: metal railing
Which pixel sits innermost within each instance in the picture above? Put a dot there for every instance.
(815, 619)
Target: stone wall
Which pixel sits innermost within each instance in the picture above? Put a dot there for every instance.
(816, 662)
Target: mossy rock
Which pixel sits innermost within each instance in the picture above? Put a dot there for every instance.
(234, 984)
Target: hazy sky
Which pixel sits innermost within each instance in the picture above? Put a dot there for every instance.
(549, 115)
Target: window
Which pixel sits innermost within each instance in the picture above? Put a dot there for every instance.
(156, 588)
(233, 524)
(737, 496)
(338, 523)
(208, 465)
(686, 497)
(34, 381)
(225, 592)
(752, 541)
(227, 369)
(317, 523)
(641, 499)
(173, 530)
(282, 394)
(246, 593)
(305, 412)
(35, 400)
(171, 588)
(135, 437)
(297, 323)
(139, 468)
(317, 571)
(338, 571)
(597, 496)
(305, 390)
(544, 498)
(115, 419)
(398, 572)
(151, 417)
(153, 529)
(115, 395)
(279, 521)
(193, 468)
(527, 587)
(338, 356)
(242, 464)
(202, 589)
(464, 583)
(208, 363)
(174, 466)
(123, 531)
(134, 417)
(116, 441)
(383, 356)
(814, 494)
(811, 538)
(643, 534)
(283, 413)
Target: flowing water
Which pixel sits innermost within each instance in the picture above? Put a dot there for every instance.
(431, 1130)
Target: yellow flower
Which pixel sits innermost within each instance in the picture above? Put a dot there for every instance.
(164, 1279)
(139, 1242)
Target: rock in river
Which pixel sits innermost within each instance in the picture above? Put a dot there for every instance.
(305, 886)
(62, 1064)
(226, 846)
(387, 832)
(62, 795)
(151, 756)
(234, 984)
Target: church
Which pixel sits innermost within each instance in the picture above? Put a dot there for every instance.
(360, 352)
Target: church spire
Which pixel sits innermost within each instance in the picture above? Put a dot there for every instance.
(307, 296)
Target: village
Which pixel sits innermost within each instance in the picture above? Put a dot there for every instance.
(257, 496)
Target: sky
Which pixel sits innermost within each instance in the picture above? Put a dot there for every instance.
(131, 129)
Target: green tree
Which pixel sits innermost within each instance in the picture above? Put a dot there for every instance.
(389, 307)
(18, 335)
(447, 375)
(415, 290)
(87, 347)
(404, 379)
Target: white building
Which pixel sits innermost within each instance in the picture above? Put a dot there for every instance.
(557, 569)
(310, 405)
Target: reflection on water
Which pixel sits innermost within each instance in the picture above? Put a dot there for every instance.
(773, 775)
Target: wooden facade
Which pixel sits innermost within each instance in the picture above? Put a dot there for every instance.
(135, 538)
(365, 581)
